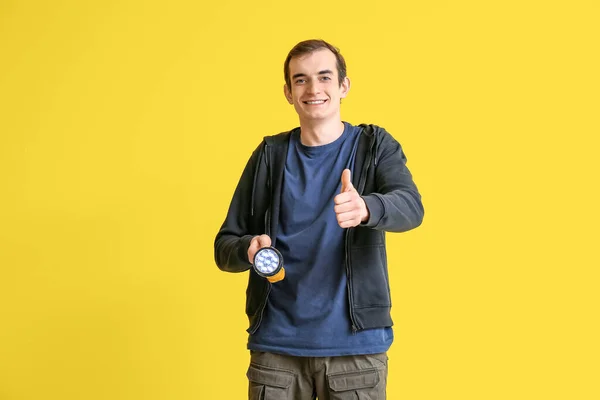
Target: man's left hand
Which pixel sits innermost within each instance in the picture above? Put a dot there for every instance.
(350, 209)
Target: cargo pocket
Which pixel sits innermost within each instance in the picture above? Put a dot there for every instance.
(361, 385)
(268, 383)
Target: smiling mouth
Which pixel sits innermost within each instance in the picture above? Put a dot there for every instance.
(314, 102)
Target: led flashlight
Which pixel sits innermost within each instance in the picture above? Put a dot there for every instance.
(268, 262)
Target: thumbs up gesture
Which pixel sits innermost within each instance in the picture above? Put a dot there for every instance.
(350, 209)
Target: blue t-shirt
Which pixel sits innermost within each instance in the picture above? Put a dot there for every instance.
(307, 312)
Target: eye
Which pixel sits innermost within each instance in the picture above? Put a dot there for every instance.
(325, 78)
(300, 81)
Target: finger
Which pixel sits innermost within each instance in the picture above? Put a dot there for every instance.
(344, 207)
(264, 241)
(348, 220)
(347, 216)
(257, 243)
(349, 224)
(342, 198)
(346, 181)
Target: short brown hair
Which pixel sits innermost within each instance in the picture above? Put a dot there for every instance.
(310, 46)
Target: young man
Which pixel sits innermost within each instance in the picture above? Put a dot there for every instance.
(323, 194)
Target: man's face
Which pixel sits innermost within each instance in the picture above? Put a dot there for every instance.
(315, 91)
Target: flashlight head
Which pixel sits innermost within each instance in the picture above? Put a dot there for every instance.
(268, 263)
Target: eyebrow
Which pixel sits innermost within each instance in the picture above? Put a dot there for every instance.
(323, 72)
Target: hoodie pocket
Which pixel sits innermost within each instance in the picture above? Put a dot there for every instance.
(370, 281)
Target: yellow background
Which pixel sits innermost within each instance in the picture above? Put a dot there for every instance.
(124, 127)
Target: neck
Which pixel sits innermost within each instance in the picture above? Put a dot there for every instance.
(318, 133)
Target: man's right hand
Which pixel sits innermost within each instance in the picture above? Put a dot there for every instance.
(257, 243)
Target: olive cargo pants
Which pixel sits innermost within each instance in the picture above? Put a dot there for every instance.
(280, 377)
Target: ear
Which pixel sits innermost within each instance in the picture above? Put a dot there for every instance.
(345, 88)
(288, 94)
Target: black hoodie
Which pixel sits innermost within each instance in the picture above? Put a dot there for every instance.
(383, 181)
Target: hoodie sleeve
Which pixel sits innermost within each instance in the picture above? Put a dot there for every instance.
(233, 239)
(395, 206)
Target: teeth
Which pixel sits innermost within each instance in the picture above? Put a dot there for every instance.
(316, 102)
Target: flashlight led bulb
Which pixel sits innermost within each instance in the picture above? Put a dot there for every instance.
(268, 262)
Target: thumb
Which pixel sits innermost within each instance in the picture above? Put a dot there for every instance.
(264, 241)
(257, 243)
(346, 182)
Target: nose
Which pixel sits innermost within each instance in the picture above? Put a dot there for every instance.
(313, 87)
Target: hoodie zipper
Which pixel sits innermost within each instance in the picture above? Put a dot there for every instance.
(267, 232)
(361, 183)
(349, 283)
